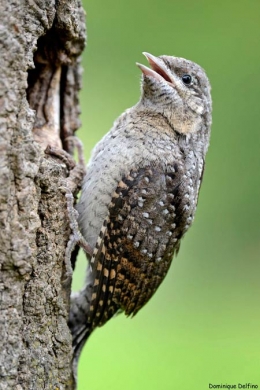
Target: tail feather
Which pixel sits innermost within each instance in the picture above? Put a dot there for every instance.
(78, 321)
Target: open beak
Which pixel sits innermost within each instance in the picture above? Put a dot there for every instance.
(158, 71)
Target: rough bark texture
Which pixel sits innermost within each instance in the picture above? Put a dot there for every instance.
(40, 41)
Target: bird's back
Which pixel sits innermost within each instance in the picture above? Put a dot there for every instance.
(138, 205)
(136, 139)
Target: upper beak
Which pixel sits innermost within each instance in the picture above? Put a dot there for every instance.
(158, 71)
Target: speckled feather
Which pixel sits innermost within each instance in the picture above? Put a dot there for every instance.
(148, 215)
(141, 190)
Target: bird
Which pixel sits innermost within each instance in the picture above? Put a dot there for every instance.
(140, 192)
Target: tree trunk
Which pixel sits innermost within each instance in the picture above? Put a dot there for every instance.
(40, 44)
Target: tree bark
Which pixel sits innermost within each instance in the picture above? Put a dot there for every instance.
(40, 44)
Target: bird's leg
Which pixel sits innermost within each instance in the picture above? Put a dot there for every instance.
(76, 237)
(62, 155)
(72, 183)
(76, 170)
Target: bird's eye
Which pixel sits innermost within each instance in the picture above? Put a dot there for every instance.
(187, 79)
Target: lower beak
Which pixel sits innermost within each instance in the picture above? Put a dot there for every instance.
(158, 71)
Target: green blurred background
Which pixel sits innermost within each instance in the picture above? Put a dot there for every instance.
(203, 325)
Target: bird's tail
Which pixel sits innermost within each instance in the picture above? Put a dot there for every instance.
(78, 321)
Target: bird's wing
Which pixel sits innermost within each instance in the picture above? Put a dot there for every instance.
(137, 241)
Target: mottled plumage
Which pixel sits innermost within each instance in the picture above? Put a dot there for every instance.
(141, 190)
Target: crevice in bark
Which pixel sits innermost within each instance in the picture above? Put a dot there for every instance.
(52, 91)
(43, 91)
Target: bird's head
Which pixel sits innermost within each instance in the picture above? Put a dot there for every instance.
(178, 89)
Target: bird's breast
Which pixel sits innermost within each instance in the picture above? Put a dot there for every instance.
(133, 145)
